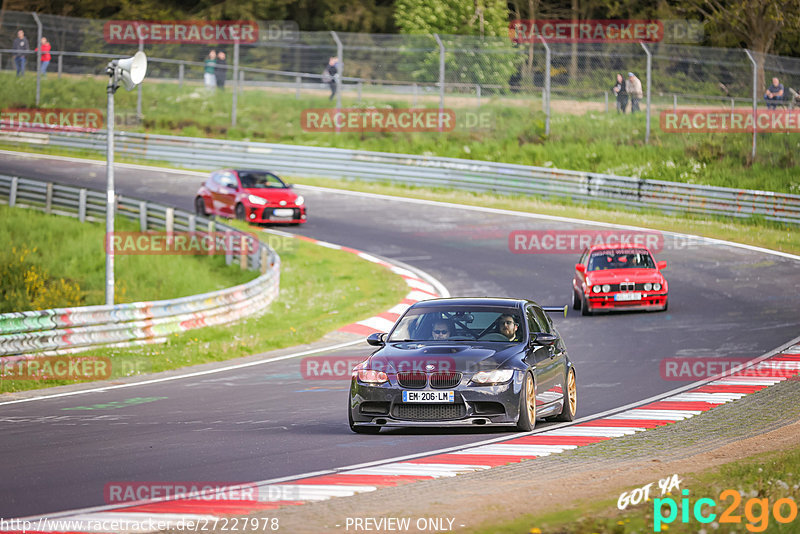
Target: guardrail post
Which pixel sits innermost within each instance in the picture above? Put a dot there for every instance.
(143, 216)
(297, 81)
(82, 205)
(243, 252)
(60, 64)
(170, 220)
(211, 226)
(192, 223)
(228, 249)
(180, 74)
(12, 195)
(48, 201)
(264, 260)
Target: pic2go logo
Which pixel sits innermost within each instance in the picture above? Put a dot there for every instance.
(756, 511)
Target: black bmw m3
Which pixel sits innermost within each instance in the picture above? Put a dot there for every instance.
(464, 362)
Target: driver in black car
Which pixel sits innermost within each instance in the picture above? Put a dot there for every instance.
(442, 330)
(508, 327)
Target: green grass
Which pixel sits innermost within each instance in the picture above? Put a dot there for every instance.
(65, 248)
(767, 477)
(590, 141)
(321, 290)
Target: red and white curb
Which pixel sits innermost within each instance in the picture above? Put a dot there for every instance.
(687, 402)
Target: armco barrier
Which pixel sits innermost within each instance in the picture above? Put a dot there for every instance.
(70, 329)
(455, 173)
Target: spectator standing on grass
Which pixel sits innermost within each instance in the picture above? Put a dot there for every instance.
(20, 47)
(45, 46)
(774, 93)
(633, 86)
(221, 70)
(329, 74)
(209, 68)
(621, 93)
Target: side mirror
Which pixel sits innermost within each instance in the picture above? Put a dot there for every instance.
(377, 339)
(581, 268)
(542, 338)
(661, 265)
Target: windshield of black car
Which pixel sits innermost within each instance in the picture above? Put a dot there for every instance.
(448, 323)
(260, 180)
(627, 258)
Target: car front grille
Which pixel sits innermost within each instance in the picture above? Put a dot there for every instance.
(445, 380)
(429, 412)
(412, 379)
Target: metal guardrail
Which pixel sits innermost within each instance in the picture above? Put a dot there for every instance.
(66, 330)
(469, 175)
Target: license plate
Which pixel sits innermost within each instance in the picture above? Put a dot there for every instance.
(628, 296)
(428, 396)
(282, 212)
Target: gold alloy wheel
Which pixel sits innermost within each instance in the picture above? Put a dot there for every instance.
(530, 399)
(572, 392)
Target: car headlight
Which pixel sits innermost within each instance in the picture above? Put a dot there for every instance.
(657, 286)
(606, 288)
(648, 286)
(596, 289)
(258, 201)
(493, 377)
(370, 376)
(299, 201)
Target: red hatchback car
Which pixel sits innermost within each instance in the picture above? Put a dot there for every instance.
(618, 277)
(253, 196)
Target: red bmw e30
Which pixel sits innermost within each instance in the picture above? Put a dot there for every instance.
(618, 277)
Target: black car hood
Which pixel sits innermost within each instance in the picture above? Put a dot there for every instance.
(463, 357)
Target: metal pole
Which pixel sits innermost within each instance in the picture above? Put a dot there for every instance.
(755, 102)
(60, 63)
(605, 94)
(339, 53)
(38, 57)
(234, 109)
(546, 94)
(441, 79)
(139, 115)
(180, 74)
(110, 192)
(649, 70)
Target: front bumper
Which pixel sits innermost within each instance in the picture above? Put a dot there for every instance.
(606, 302)
(381, 405)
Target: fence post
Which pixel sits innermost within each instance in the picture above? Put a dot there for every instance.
(264, 260)
(235, 82)
(339, 71)
(192, 223)
(755, 102)
(143, 216)
(180, 74)
(546, 90)
(605, 94)
(415, 88)
(139, 114)
(243, 252)
(674, 103)
(12, 195)
(60, 63)
(441, 79)
(38, 57)
(297, 81)
(478, 93)
(649, 70)
(48, 203)
(82, 205)
(359, 91)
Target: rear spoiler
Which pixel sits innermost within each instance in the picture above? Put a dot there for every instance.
(556, 309)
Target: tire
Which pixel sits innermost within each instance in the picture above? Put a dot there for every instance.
(241, 213)
(361, 429)
(576, 301)
(570, 399)
(200, 207)
(527, 405)
(585, 308)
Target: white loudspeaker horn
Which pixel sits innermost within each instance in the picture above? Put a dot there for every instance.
(132, 70)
